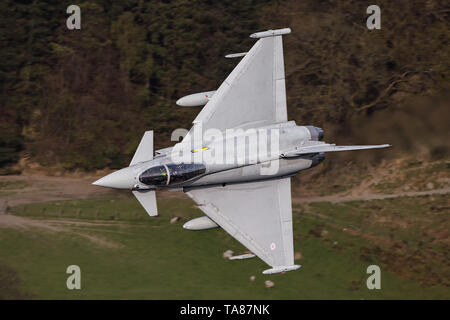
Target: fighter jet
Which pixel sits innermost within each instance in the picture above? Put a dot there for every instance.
(237, 160)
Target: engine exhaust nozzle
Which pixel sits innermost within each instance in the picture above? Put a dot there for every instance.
(316, 133)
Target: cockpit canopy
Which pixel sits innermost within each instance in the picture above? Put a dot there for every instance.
(171, 174)
(155, 176)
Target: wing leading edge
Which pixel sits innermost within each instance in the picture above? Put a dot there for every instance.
(258, 215)
(254, 93)
(325, 147)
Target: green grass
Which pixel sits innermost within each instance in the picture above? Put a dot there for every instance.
(13, 185)
(159, 260)
(406, 235)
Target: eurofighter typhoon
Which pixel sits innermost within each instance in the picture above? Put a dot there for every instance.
(237, 160)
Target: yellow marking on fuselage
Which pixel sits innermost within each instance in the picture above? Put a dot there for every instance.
(197, 150)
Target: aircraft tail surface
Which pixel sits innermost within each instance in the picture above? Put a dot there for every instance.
(144, 152)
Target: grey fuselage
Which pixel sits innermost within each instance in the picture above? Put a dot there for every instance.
(247, 164)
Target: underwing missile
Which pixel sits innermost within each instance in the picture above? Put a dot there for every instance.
(202, 223)
(195, 99)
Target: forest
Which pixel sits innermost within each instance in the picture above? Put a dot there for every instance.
(81, 99)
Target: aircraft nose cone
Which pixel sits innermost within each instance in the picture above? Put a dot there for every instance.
(121, 179)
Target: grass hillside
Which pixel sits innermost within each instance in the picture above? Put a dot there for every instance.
(124, 254)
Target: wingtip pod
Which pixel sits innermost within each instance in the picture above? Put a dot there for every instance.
(281, 269)
(270, 33)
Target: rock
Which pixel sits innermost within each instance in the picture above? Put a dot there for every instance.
(4, 208)
(335, 244)
(252, 278)
(269, 284)
(174, 219)
(406, 188)
(430, 185)
(228, 254)
(297, 256)
(324, 233)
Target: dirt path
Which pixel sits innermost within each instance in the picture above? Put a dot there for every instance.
(368, 196)
(15, 222)
(38, 188)
(60, 225)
